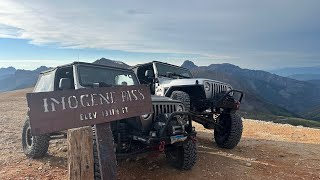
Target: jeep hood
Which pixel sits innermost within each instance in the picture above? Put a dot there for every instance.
(163, 99)
(166, 82)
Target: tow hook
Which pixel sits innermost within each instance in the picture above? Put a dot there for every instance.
(161, 146)
(237, 105)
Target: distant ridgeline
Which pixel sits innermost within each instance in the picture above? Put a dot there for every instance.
(266, 94)
(11, 78)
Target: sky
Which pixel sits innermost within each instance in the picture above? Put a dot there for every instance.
(265, 34)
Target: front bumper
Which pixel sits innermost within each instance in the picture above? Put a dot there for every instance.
(226, 100)
(162, 134)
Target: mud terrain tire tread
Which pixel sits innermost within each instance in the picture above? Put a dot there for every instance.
(233, 137)
(186, 156)
(39, 146)
(183, 97)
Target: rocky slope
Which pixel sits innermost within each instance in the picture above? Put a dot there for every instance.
(313, 113)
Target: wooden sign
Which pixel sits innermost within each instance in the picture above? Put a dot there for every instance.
(61, 110)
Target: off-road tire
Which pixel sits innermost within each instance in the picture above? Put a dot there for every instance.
(183, 97)
(34, 146)
(231, 135)
(182, 157)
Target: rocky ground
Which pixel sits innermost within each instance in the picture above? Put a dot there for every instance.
(266, 151)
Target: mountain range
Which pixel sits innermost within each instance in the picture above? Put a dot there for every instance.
(299, 73)
(7, 71)
(305, 77)
(296, 70)
(11, 78)
(104, 61)
(265, 92)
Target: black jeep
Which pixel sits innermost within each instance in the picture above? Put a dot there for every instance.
(169, 129)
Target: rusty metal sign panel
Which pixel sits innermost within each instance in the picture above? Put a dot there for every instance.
(61, 110)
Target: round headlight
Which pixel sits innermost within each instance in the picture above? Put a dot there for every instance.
(180, 108)
(145, 116)
(229, 89)
(207, 86)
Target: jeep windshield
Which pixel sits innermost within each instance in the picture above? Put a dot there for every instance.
(172, 71)
(88, 75)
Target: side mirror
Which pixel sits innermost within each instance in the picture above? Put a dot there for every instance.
(149, 74)
(65, 83)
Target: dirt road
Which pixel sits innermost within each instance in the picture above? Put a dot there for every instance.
(266, 151)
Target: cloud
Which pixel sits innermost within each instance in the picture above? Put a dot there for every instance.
(217, 31)
(9, 31)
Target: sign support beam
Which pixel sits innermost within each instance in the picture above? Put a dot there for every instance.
(106, 151)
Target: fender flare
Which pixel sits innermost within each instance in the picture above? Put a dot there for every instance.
(180, 88)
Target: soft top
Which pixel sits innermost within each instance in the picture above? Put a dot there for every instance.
(87, 64)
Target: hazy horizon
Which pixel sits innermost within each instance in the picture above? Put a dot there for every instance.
(179, 64)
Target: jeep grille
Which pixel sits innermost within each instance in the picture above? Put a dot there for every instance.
(161, 108)
(216, 88)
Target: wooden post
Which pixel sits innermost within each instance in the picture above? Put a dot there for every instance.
(106, 151)
(80, 154)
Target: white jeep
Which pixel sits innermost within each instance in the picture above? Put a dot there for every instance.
(213, 103)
